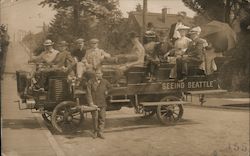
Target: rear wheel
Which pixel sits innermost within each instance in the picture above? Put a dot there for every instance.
(169, 114)
(66, 117)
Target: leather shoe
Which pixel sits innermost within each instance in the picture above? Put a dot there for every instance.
(94, 135)
(100, 135)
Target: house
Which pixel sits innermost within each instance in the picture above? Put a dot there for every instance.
(161, 21)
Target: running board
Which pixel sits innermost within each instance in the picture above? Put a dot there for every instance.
(206, 91)
(162, 103)
(120, 101)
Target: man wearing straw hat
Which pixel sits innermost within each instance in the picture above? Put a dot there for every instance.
(46, 56)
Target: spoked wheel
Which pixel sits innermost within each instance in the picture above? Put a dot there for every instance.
(148, 112)
(169, 114)
(66, 117)
(47, 117)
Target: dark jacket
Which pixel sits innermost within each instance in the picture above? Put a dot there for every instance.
(171, 32)
(78, 54)
(195, 49)
(96, 93)
(64, 59)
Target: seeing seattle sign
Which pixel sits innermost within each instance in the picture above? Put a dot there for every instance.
(188, 85)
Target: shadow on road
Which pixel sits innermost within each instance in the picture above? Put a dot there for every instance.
(244, 105)
(114, 125)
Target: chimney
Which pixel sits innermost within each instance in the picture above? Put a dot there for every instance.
(164, 14)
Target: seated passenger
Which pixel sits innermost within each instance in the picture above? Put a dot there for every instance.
(93, 58)
(180, 47)
(152, 59)
(137, 53)
(78, 54)
(48, 56)
(194, 53)
(64, 59)
(134, 58)
(210, 64)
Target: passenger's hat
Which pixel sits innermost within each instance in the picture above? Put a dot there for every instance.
(150, 34)
(94, 40)
(48, 43)
(195, 30)
(183, 27)
(62, 43)
(182, 13)
(79, 40)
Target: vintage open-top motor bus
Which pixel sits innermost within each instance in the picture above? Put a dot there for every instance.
(58, 100)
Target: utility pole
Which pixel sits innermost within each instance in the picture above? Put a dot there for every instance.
(144, 12)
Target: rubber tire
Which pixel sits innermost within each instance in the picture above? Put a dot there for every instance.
(159, 109)
(57, 127)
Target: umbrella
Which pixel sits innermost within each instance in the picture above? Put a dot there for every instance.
(220, 35)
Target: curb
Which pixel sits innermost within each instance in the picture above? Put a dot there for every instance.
(54, 145)
(220, 107)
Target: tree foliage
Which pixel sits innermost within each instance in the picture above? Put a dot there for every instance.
(222, 10)
(235, 71)
(81, 18)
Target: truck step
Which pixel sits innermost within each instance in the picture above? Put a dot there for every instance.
(206, 91)
(120, 101)
(161, 103)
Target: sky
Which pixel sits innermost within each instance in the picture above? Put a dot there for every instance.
(174, 6)
(27, 15)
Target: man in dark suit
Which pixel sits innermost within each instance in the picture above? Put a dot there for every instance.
(79, 52)
(194, 54)
(97, 90)
(174, 34)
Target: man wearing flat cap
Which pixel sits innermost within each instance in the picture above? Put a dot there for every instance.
(79, 52)
(194, 55)
(47, 56)
(94, 56)
(64, 58)
(174, 34)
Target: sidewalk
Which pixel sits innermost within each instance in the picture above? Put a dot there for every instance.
(22, 134)
(223, 103)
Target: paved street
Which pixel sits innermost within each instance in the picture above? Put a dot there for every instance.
(202, 132)
(22, 134)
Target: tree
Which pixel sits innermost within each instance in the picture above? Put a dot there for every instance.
(222, 10)
(78, 8)
(234, 73)
(78, 18)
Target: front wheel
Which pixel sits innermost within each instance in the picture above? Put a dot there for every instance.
(47, 117)
(66, 117)
(169, 114)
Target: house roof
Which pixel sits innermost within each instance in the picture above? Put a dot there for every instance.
(156, 19)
